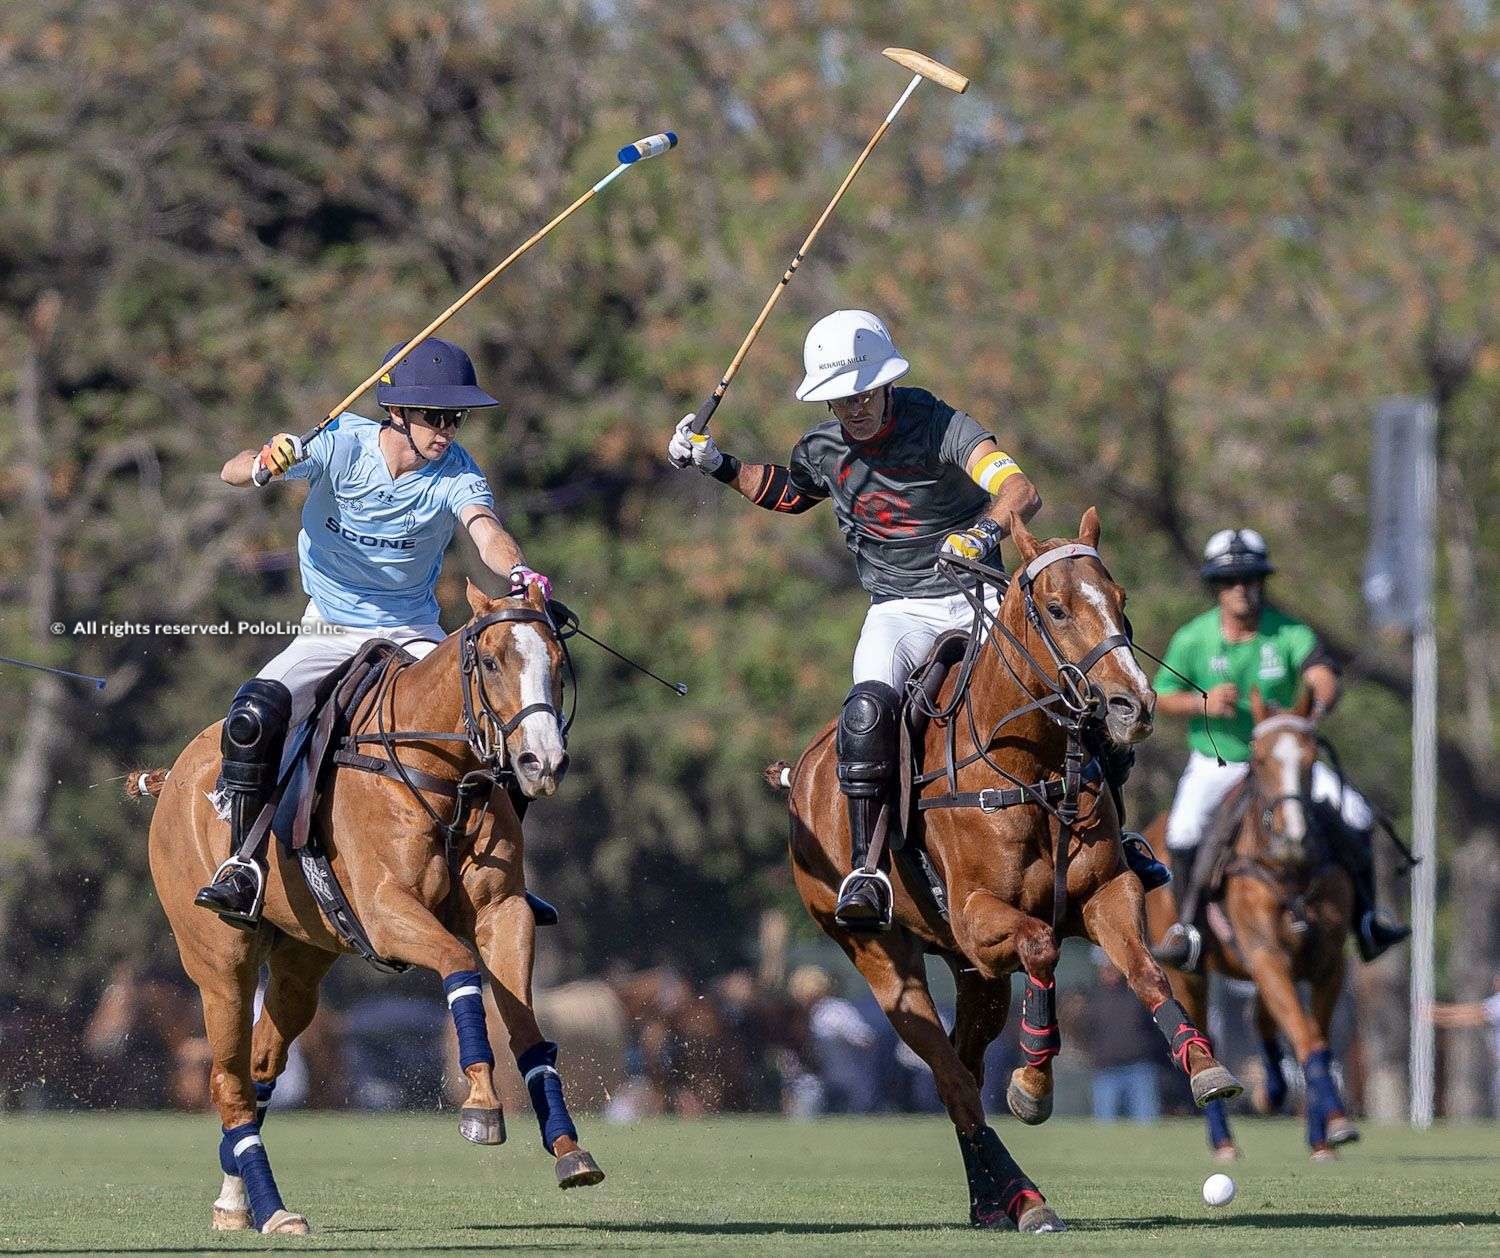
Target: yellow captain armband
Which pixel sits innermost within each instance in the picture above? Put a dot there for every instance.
(992, 470)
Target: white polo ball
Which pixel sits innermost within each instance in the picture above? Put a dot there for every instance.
(1218, 1190)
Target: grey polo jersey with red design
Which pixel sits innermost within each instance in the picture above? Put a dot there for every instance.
(898, 495)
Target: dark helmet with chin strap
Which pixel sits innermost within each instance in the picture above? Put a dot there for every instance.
(437, 375)
(1233, 553)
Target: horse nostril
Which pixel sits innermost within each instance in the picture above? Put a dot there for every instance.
(528, 762)
(1125, 707)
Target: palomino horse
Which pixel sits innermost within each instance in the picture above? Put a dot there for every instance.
(497, 686)
(1286, 909)
(1020, 808)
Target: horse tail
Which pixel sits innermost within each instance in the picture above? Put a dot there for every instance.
(145, 783)
(779, 776)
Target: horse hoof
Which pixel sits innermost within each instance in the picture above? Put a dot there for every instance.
(991, 1218)
(1227, 1153)
(1324, 1153)
(1215, 1083)
(482, 1126)
(231, 1220)
(1341, 1131)
(285, 1223)
(1031, 1110)
(1040, 1218)
(578, 1170)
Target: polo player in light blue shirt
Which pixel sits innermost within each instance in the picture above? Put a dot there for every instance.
(383, 502)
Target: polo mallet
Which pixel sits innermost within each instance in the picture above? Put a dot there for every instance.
(58, 672)
(922, 67)
(651, 146)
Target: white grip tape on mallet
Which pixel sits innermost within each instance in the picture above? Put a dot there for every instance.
(651, 146)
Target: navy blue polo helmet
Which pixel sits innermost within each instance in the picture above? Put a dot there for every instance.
(1234, 553)
(437, 375)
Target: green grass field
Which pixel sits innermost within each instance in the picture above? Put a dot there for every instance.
(144, 1183)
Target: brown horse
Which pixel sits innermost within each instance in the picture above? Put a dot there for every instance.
(1286, 910)
(497, 686)
(1053, 663)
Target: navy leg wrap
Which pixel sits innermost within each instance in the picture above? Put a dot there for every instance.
(465, 992)
(263, 1100)
(538, 1066)
(1040, 1039)
(254, 1167)
(1322, 1095)
(1270, 1060)
(1179, 1032)
(1217, 1117)
(226, 1145)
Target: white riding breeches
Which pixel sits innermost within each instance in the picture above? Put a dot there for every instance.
(898, 634)
(321, 647)
(1204, 784)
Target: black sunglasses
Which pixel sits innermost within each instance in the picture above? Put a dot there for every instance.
(442, 420)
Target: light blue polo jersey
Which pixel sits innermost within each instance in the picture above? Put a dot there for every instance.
(370, 546)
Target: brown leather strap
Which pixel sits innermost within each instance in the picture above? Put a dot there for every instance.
(384, 768)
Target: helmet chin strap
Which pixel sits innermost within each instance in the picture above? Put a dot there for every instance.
(405, 431)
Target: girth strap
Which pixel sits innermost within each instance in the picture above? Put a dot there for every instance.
(993, 799)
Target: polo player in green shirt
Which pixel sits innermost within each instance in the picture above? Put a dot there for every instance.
(1239, 645)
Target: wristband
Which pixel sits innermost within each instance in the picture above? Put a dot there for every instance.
(728, 469)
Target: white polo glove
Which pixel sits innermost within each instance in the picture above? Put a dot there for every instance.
(692, 448)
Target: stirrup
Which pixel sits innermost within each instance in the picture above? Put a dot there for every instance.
(1181, 948)
(888, 899)
(252, 867)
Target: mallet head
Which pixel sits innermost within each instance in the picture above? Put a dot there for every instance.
(919, 63)
(651, 146)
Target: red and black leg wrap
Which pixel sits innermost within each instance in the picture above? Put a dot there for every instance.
(1040, 1039)
(997, 1186)
(1179, 1032)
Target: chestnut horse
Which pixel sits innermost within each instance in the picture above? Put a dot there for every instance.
(1054, 661)
(1286, 909)
(497, 686)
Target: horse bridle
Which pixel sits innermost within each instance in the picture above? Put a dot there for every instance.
(1071, 690)
(485, 729)
(1291, 723)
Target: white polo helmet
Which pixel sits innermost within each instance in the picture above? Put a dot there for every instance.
(848, 352)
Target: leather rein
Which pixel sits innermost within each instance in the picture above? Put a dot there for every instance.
(1071, 701)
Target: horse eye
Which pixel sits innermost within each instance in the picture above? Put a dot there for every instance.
(1055, 610)
(490, 666)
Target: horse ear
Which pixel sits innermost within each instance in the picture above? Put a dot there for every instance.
(1025, 542)
(1258, 709)
(1088, 528)
(479, 601)
(1304, 705)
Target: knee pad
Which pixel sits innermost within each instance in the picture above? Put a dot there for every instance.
(253, 734)
(867, 738)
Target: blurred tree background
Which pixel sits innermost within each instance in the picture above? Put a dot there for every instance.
(1174, 253)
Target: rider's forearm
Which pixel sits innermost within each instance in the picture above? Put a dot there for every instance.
(239, 470)
(1016, 494)
(767, 485)
(1178, 703)
(499, 551)
(1324, 684)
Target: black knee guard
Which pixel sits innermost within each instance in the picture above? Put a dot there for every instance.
(867, 740)
(253, 734)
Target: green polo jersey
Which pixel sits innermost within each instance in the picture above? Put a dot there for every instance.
(1271, 662)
